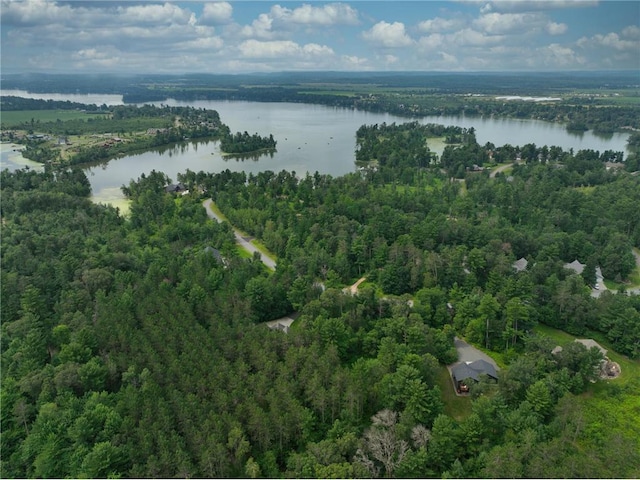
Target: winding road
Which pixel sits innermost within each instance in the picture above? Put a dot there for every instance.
(242, 241)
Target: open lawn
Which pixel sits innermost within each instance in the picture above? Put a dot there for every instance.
(455, 406)
(610, 408)
(630, 368)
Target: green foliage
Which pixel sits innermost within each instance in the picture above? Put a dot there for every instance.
(129, 350)
(243, 143)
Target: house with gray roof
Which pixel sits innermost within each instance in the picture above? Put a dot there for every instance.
(575, 266)
(520, 265)
(471, 370)
(589, 343)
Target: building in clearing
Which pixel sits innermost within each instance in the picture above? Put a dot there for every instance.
(589, 343)
(520, 265)
(575, 266)
(472, 370)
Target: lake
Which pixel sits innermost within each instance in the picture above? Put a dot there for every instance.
(310, 138)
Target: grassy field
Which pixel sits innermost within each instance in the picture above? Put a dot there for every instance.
(337, 93)
(454, 406)
(608, 409)
(14, 118)
(630, 368)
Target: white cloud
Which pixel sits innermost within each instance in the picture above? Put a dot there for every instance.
(502, 23)
(391, 35)
(34, 12)
(554, 28)
(555, 55)
(204, 43)
(473, 38)
(93, 57)
(329, 14)
(486, 8)
(631, 32)
(167, 14)
(613, 40)
(448, 60)
(353, 62)
(535, 5)
(439, 25)
(431, 42)
(628, 42)
(142, 35)
(259, 28)
(216, 13)
(280, 20)
(282, 48)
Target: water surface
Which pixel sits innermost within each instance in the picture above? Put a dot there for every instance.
(310, 138)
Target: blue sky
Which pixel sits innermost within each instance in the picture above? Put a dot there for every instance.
(265, 36)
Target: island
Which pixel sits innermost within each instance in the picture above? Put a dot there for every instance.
(243, 144)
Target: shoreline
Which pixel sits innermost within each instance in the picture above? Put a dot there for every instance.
(252, 153)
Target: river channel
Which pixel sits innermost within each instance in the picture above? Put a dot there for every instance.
(310, 138)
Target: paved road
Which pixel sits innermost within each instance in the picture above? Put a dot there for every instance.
(249, 247)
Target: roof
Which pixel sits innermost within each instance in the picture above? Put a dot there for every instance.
(172, 188)
(473, 370)
(520, 264)
(215, 252)
(589, 343)
(576, 266)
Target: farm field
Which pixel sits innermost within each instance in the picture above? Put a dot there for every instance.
(14, 118)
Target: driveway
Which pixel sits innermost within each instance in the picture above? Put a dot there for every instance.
(469, 353)
(501, 168)
(249, 247)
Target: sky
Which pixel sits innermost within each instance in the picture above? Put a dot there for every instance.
(264, 36)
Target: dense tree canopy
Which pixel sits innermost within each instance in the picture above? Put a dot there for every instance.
(130, 350)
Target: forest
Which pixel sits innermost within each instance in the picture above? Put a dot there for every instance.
(129, 349)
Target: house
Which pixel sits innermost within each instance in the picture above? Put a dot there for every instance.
(472, 370)
(614, 166)
(283, 324)
(214, 251)
(216, 254)
(520, 265)
(589, 343)
(575, 266)
(175, 188)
